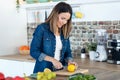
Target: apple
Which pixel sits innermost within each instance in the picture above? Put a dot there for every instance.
(2, 77)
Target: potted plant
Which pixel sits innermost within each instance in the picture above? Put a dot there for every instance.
(92, 46)
(92, 50)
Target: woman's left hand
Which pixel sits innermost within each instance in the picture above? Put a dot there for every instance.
(72, 62)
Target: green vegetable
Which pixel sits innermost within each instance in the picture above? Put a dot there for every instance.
(82, 77)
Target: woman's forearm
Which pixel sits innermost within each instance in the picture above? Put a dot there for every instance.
(55, 62)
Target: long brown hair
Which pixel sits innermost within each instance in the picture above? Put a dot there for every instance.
(53, 18)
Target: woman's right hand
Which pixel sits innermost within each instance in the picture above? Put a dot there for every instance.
(57, 64)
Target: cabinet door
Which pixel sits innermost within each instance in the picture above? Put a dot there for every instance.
(28, 68)
(11, 68)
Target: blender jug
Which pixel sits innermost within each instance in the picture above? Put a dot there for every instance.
(101, 51)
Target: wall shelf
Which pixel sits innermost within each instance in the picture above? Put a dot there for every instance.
(46, 5)
(75, 3)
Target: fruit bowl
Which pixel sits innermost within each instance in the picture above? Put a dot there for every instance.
(24, 52)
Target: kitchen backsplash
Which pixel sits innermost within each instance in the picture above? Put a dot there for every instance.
(83, 32)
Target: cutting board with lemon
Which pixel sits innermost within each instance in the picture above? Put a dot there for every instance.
(70, 70)
(66, 73)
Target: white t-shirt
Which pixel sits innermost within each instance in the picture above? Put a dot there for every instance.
(58, 48)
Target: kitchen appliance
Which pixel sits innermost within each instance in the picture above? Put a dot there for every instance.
(101, 54)
(113, 47)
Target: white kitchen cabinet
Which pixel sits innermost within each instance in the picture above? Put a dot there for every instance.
(11, 68)
(28, 67)
(16, 68)
(36, 11)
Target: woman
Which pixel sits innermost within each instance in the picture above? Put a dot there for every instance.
(50, 45)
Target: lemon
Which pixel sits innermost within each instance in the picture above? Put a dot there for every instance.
(47, 70)
(71, 68)
(39, 75)
(53, 74)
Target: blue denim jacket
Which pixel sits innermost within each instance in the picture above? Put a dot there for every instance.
(44, 43)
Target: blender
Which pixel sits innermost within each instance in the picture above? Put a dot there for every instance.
(101, 54)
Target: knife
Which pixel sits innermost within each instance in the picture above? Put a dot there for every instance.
(54, 69)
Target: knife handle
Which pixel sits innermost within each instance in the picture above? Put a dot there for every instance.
(54, 69)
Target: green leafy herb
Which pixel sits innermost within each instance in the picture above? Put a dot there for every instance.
(82, 77)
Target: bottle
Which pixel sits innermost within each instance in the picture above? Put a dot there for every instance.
(83, 53)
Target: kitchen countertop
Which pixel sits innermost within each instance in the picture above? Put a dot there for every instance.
(18, 57)
(84, 63)
(102, 70)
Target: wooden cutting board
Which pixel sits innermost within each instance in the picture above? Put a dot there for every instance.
(66, 73)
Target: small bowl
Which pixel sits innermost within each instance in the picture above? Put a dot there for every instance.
(24, 52)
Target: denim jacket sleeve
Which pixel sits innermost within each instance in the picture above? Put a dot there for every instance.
(36, 44)
(68, 54)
